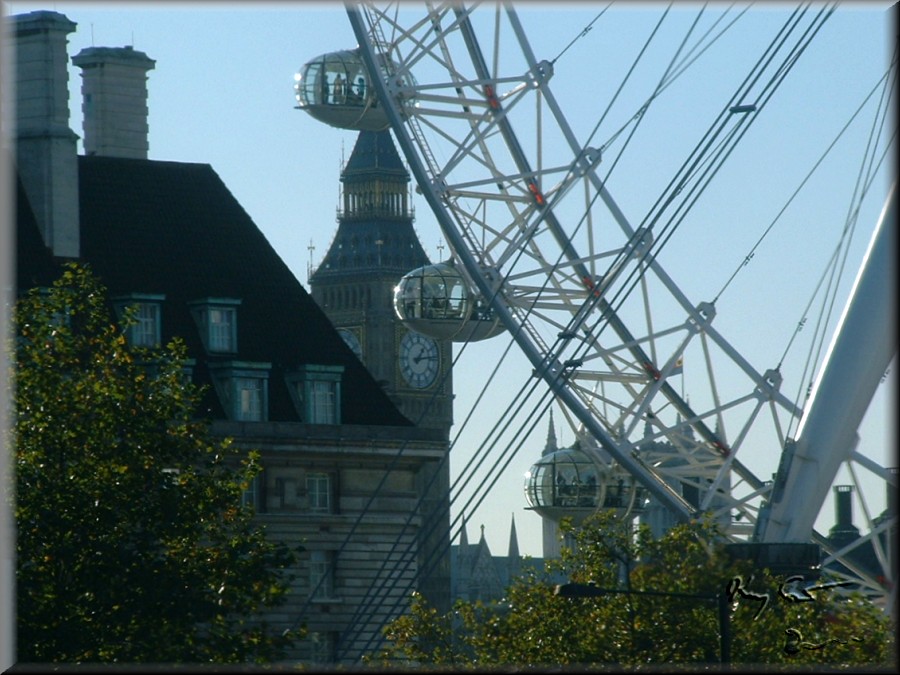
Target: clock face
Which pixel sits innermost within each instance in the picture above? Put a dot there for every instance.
(352, 341)
(419, 360)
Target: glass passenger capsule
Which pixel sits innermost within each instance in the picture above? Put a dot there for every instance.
(568, 483)
(435, 300)
(336, 88)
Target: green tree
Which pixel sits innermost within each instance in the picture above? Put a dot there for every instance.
(132, 542)
(534, 626)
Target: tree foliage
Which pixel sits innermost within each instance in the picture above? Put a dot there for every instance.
(533, 626)
(132, 542)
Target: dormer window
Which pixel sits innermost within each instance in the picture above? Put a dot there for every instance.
(217, 320)
(316, 391)
(145, 332)
(243, 388)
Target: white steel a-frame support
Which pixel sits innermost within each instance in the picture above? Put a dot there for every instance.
(863, 345)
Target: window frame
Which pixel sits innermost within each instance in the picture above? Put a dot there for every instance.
(306, 385)
(203, 311)
(322, 565)
(315, 496)
(254, 495)
(141, 301)
(227, 378)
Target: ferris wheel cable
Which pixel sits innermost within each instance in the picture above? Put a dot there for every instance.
(752, 252)
(628, 75)
(408, 557)
(819, 333)
(679, 188)
(534, 421)
(739, 96)
(378, 488)
(583, 33)
(744, 90)
(826, 312)
(719, 157)
(859, 193)
(435, 556)
(439, 514)
(689, 60)
(433, 520)
(639, 116)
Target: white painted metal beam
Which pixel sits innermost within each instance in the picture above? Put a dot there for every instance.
(863, 345)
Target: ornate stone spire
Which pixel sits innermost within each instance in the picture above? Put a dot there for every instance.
(513, 540)
(551, 437)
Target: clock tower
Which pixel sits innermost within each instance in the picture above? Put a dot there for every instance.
(375, 245)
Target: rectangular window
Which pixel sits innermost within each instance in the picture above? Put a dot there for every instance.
(323, 402)
(318, 490)
(321, 574)
(251, 496)
(145, 333)
(286, 488)
(249, 399)
(316, 392)
(217, 322)
(147, 313)
(242, 387)
(221, 329)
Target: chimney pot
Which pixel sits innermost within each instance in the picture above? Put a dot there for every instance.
(114, 100)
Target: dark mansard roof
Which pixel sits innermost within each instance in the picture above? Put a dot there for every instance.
(174, 229)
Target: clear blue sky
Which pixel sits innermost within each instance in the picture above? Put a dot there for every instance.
(221, 93)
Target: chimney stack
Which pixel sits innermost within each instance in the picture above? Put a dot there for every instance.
(114, 101)
(46, 148)
(844, 530)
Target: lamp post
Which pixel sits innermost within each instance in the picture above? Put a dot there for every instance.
(589, 591)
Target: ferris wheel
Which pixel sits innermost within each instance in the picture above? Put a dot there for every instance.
(542, 251)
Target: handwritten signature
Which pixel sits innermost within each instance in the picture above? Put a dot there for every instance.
(794, 642)
(791, 590)
(788, 589)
